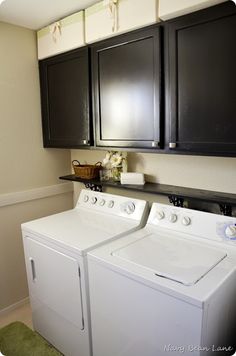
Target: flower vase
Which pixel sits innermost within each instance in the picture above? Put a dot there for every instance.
(115, 173)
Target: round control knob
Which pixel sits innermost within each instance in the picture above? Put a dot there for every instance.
(86, 198)
(129, 208)
(111, 204)
(160, 214)
(230, 231)
(93, 200)
(186, 221)
(102, 202)
(172, 218)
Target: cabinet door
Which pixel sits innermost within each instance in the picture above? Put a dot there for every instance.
(127, 89)
(201, 95)
(65, 99)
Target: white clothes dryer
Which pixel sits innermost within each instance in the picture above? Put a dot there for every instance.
(55, 254)
(167, 289)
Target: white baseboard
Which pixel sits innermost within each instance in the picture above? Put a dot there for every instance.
(33, 194)
(14, 306)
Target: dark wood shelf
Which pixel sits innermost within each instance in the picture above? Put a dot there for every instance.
(163, 189)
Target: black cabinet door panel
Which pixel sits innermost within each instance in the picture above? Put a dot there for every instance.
(65, 99)
(202, 82)
(127, 88)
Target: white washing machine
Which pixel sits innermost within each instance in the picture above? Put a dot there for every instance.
(55, 254)
(167, 289)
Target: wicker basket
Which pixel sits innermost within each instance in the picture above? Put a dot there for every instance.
(86, 171)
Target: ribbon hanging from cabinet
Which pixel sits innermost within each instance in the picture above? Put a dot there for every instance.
(113, 7)
(55, 30)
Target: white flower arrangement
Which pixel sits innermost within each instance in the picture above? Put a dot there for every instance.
(113, 164)
(114, 159)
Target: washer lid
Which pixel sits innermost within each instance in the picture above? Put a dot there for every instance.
(177, 259)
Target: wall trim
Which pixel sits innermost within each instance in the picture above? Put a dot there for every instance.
(33, 194)
(14, 306)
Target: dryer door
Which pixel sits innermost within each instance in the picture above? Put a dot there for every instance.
(54, 280)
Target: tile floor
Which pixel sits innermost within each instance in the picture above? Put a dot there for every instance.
(22, 313)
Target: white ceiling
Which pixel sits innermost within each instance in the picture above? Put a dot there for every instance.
(35, 14)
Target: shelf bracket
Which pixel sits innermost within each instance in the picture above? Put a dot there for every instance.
(226, 209)
(94, 187)
(176, 201)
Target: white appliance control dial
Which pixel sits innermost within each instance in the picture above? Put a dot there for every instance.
(94, 200)
(160, 214)
(102, 202)
(86, 198)
(230, 231)
(111, 204)
(129, 208)
(186, 221)
(173, 218)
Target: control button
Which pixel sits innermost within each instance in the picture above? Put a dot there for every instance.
(160, 214)
(186, 221)
(102, 202)
(230, 231)
(86, 198)
(111, 204)
(173, 218)
(129, 208)
(94, 200)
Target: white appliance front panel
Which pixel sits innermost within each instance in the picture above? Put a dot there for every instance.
(65, 336)
(131, 319)
(54, 279)
(179, 260)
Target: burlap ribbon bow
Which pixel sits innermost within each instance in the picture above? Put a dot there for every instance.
(113, 7)
(55, 30)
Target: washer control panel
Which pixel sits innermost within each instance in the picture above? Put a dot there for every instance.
(112, 204)
(198, 223)
(172, 217)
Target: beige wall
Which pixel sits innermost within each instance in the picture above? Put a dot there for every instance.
(24, 163)
(211, 173)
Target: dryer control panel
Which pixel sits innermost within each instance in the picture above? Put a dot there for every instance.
(118, 205)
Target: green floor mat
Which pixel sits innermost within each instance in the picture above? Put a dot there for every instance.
(16, 339)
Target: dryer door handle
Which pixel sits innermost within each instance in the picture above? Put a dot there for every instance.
(33, 269)
(81, 298)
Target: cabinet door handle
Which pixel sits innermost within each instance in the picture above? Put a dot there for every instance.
(155, 144)
(172, 145)
(33, 269)
(85, 142)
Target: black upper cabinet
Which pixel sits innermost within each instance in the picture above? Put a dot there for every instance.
(201, 90)
(127, 89)
(65, 99)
